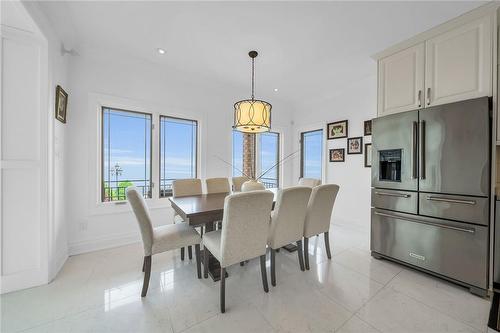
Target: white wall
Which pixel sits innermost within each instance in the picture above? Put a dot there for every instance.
(58, 75)
(97, 75)
(356, 103)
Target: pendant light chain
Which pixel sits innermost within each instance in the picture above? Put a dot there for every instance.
(253, 77)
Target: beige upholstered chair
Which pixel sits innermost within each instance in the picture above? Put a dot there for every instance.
(160, 239)
(319, 213)
(287, 222)
(186, 187)
(238, 181)
(245, 225)
(218, 185)
(183, 188)
(310, 182)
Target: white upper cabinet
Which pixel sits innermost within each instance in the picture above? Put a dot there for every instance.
(458, 63)
(450, 63)
(401, 81)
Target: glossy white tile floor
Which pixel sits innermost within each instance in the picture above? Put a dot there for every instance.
(100, 292)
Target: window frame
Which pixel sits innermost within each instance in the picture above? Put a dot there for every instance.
(302, 133)
(151, 128)
(196, 162)
(257, 159)
(92, 201)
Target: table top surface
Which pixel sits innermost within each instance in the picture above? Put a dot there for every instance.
(203, 203)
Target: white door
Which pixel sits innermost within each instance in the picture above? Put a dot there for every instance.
(401, 81)
(23, 142)
(458, 63)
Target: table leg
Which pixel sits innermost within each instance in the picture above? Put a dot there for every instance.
(214, 269)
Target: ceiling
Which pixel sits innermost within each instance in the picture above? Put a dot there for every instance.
(308, 50)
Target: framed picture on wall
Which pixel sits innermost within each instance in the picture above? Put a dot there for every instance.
(355, 145)
(337, 155)
(367, 127)
(337, 130)
(368, 155)
(61, 104)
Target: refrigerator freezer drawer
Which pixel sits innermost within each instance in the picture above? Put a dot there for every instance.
(455, 250)
(455, 207)
(402, 201)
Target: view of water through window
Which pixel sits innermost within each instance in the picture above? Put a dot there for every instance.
(126, 153)
(311, 154)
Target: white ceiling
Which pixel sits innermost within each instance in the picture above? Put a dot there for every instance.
(308, 50)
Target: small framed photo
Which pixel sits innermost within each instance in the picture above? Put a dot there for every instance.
(368, 127)
(368, 155)
(337, 155)
(355, 145)
(61, 104)
(337, 130)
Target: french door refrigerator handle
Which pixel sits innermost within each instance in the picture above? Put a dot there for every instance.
(469, 230)
(421, 149)
(465, 202)
(398, 195)
(415, 150)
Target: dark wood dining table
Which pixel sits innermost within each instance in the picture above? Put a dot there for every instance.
(204, 210)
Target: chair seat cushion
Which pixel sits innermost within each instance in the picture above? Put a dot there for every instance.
(211, 240)
(174, 236)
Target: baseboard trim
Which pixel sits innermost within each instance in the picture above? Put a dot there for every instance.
(103, 243)
(61, 260)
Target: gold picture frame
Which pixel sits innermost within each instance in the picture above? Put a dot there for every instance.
(61, 104)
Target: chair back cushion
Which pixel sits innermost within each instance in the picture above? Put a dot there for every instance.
(186, 187)
(141, 212)
(245, 226)
(238, 181)
(319, 209)
(311, 182)
(287, 222)
(218, 185)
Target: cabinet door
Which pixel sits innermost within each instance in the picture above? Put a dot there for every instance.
(401, 81)
(458, 63)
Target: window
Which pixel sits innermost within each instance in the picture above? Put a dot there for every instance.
(311, 157)
(269, 156)
(237, 154)
(178, 151)
(126, 153)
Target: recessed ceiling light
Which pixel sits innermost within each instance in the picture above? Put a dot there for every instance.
(275, 89)
(160, 50)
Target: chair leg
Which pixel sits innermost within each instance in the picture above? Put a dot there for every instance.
(190, 252)
(273, 267)
(327, 245)
(147, 275)
(263, 272)
(306, 252)
(299, 253)
(205, 262)
(143, 264)
(222, 290)
(198, 260)
(182, 253)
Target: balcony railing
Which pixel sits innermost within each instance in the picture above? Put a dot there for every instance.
(269, 182)
(115, 190)
(112, 191)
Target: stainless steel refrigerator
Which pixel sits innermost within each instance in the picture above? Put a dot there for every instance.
(431, 188)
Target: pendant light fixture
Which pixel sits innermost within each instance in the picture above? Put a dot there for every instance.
(252, 115)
